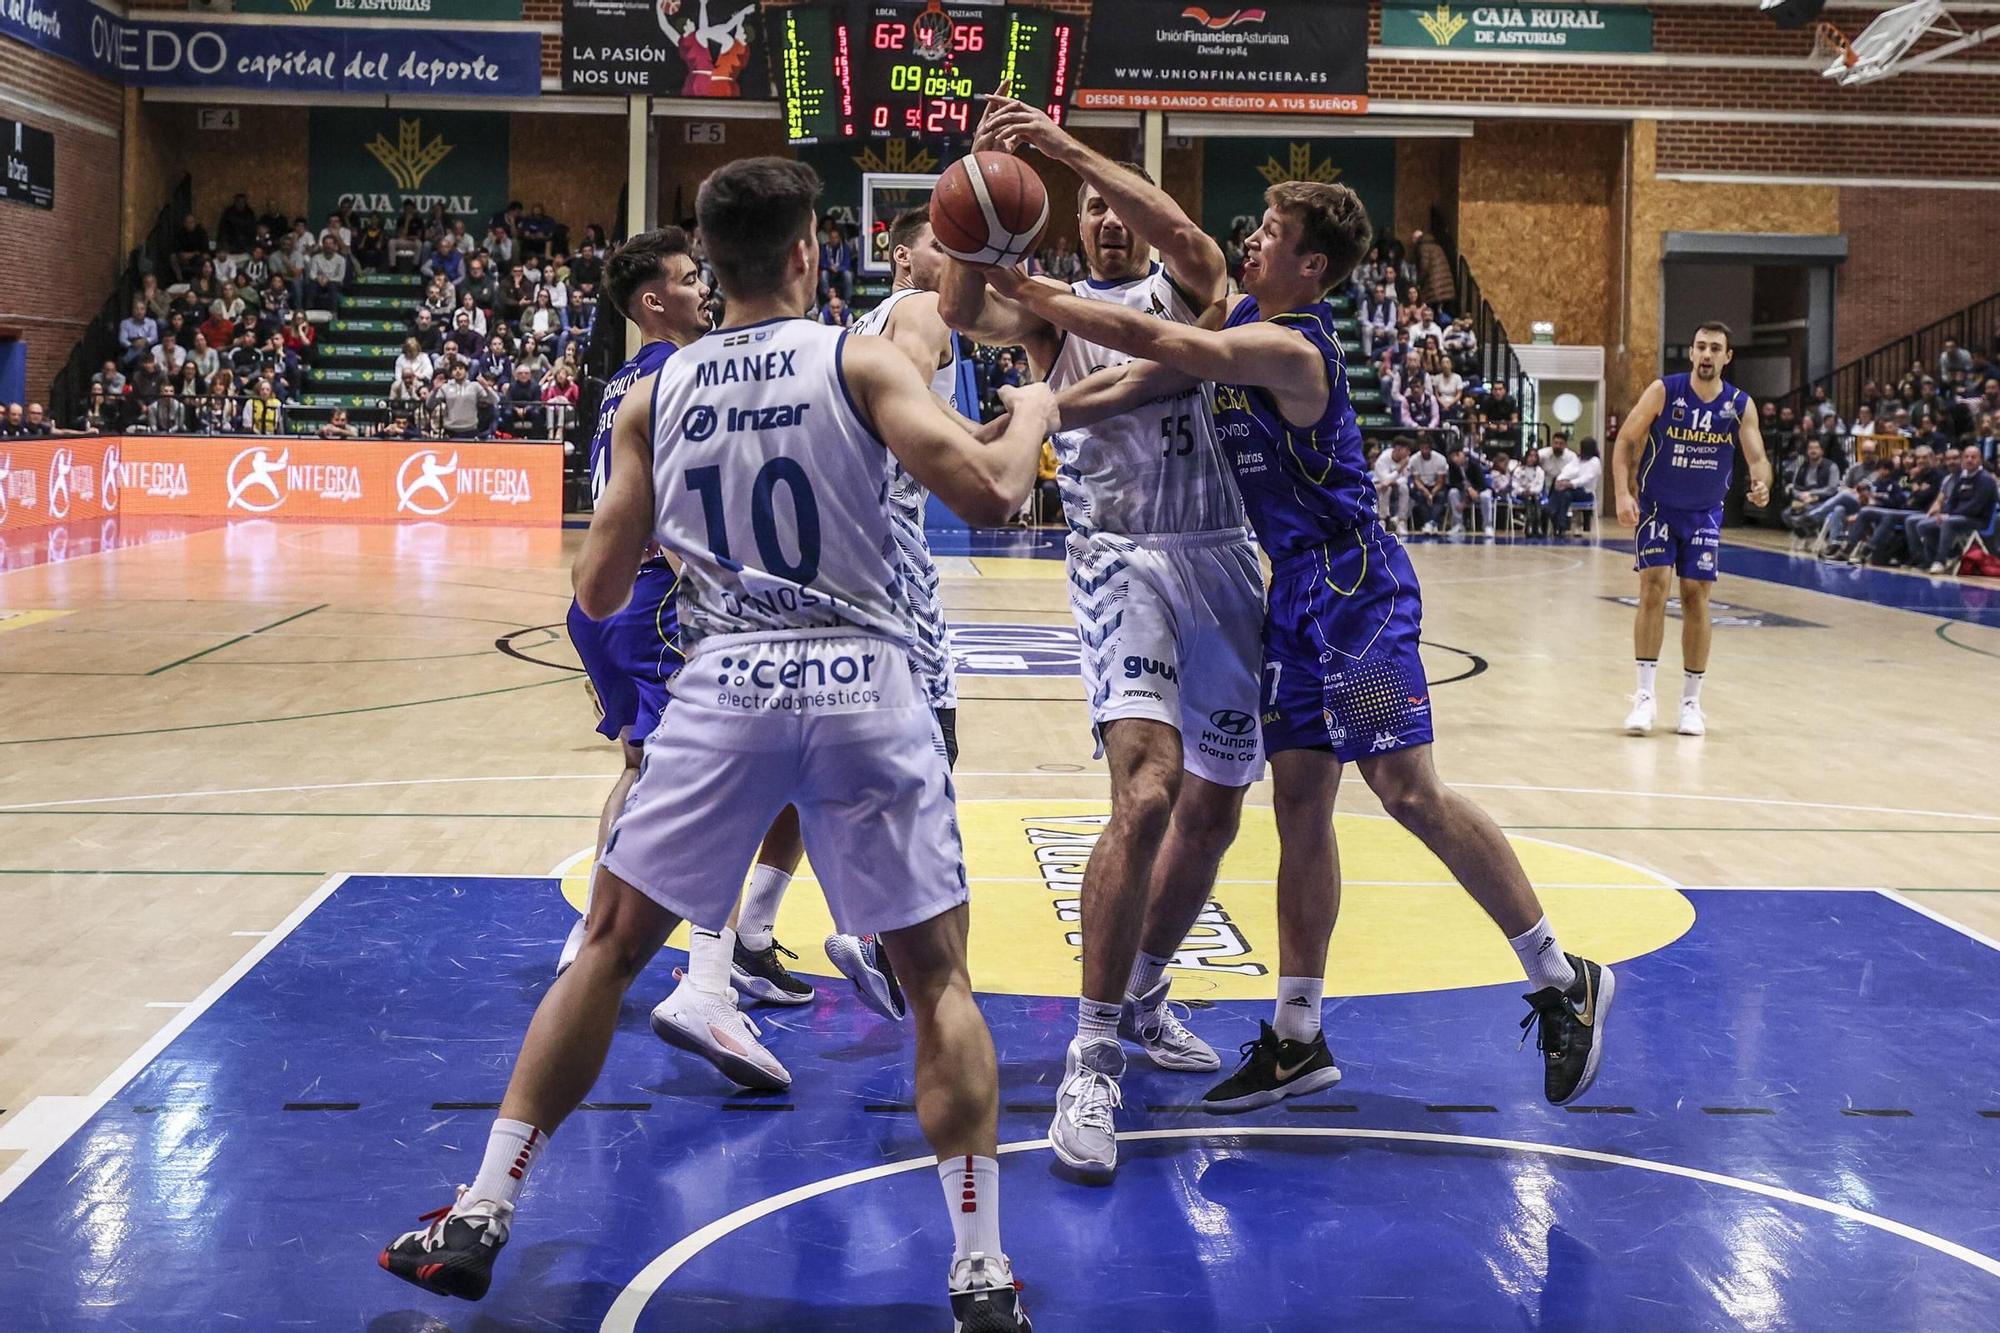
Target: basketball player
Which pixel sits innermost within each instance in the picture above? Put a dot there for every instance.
(1168, 598)
(756, 456)
(1343, 683)
(1671, 466)
(652, 280)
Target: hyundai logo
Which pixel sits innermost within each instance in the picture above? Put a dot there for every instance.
(1232, 723)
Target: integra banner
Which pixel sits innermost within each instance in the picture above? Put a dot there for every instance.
(278, 57)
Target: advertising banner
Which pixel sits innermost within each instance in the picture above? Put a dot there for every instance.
(278, 57)
(1289, 56)
(666, 48)
(54, 479)
(1517, 27)
(372, 160)
(30, 158)
(408, 481)
(1236, 172)
(505, 10)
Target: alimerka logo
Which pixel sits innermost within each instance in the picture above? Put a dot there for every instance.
(1216, 24)
(409, 159)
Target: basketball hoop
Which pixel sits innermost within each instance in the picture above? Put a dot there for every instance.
(931, 33)
(1830, 45)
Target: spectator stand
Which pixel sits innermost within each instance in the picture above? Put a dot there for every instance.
(69, 390)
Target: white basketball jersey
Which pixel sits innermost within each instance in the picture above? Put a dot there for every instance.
(1158, 468)
(907, 497)
(771, 491)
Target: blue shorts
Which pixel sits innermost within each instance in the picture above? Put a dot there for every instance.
(1341, 670)
(1687, 540)
(631, 657)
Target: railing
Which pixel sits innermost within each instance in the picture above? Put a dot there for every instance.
(1978, 324)
(1497, 361)
(70, 388)
(209, 414)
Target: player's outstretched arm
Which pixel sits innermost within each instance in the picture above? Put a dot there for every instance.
(1261, 353)
(984, 484)
(1118, 389)
(1753, 450)
(967, 304)
(622, 527)
(1191, 256)
(1626, 448)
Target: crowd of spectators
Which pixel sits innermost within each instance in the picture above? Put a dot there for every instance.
(1905, 475)
(1423, 486)
(222, 331)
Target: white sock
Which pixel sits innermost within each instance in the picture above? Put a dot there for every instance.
(1647, 674)
(1542, 958)
(972, 1195)
(1147, 969)
(1096, 1020)
(1297, 1017)
(709, 955)
(510, 1150)
(759, 916)
(1691, 685)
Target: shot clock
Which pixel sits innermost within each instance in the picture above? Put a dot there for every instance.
(914, 68)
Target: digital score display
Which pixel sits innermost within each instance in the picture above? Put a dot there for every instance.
(815, 73)
(904, 77)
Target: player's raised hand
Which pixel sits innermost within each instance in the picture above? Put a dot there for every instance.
(1031, 401)
(1628, 511)
(1015, 123)
(984, 140)
(1011, 281)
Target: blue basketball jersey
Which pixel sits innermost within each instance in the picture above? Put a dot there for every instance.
(649, 359)
(1691, 451)
(1302, 486)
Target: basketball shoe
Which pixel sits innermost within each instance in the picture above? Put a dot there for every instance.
(712, 1027)
(1082, 1133)
(1639, 721)
(863, 961)
(1273, 1069)
(985, 1298)
(1570, 1029)
(453, 1255)
(761, 975)
(1151, 1023)
(1692, 723)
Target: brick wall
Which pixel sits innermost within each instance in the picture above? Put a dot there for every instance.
(1913, 256)
(57, 266)
(574, 164)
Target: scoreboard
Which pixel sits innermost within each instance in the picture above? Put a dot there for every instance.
(860, 68)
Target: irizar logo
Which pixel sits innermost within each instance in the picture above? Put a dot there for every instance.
(409, 159)
(1443, 25)
(698, 422)
(767, 418)
(256, 480)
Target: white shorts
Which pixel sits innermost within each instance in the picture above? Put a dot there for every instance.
(833, 723)
(1171, 629)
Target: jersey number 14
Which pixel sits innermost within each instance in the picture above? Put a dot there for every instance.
(707, 483)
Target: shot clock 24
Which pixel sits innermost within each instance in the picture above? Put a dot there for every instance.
(916, 67)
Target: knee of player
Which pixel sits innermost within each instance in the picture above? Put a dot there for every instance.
(1694, 592)
(1209, 825)
(1146, 800)
(1410, 801)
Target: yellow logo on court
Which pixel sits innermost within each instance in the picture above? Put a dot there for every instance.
(1300, 168)
(409, 159)
(1443, 25)
(1405, 925)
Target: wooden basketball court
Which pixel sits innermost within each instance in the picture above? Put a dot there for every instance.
(200, 732)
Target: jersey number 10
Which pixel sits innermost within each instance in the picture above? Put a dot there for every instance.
(707, 483)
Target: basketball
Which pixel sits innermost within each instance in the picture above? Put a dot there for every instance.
(989, 209)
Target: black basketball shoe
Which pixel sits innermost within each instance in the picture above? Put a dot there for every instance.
(985, 1298)
(1570, 1035)
(1273, 1069)
(759, 975)
(453, 1256)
